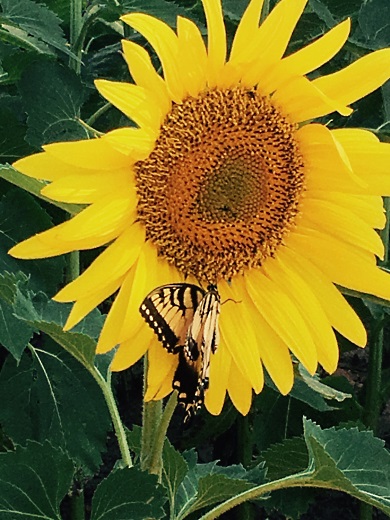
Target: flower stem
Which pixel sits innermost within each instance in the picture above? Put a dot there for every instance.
(115, 417)
(76, 22)
(159, 439)
(151, 417)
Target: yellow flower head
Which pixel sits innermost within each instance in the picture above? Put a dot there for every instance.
(226, 180)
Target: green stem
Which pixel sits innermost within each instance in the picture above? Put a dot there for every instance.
(115, 417)
(161, 433)
(151, 418)
(102, 110)
(77, 506)
(297, 480)
(73, 266)
(76, 22)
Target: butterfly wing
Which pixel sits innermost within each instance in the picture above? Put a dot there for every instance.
(192, 375)
(169, 310)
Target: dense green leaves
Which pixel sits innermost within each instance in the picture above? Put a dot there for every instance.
(33, 482)
(52, 410)
(49, 395)
(36, 21)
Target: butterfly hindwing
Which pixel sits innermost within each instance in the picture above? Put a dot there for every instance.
(185, 319)
(192, 375)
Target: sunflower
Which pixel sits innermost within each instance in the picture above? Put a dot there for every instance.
(227, 179)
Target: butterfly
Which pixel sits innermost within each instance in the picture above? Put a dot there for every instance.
(185, 319)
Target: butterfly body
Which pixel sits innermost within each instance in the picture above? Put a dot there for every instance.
(185, 319)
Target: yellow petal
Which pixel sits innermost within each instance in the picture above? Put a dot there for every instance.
(368, 207)
(273, 351)
(307, 59)
(88, 188)
(137, 143)
(238, 334)
(283, 316)
(42, 245)
(192, 56)
(131, 350)
(240, 391)
(109, 335)
(45, 166)
(272, 39)
(323, 153)
(84, 306)
(216, 39)
(103, 220)
(150, 272)
(358, 79)
(161, 368)
(94, 154)
(110, 265)
(340, 314)
(341, 223)
(302, 100)
(145, 75)
(247, 28)
(164, 41)
(344, 264)
(312, 312)
(219, 375)
(133, 101)
(370, 159)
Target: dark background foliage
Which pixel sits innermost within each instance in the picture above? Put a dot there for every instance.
(54, 421)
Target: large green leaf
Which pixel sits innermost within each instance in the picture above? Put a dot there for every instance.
(350, 460)
(49, 317)
(52, 95)
(36, 20)
(21, 217)
(374, 22)
(33, 482)
(128, 493)
(51, 396)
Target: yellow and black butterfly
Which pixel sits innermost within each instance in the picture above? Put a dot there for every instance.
(185, 319)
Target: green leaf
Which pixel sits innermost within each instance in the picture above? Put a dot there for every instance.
(234, 9)
(49, 317)
(352, 461)
(51, 396)
(286, 458)
(14, 335)
(208, 484)
(33, 482)
(327, 392)
(19, 38)
(290, 503)
(374, 21)
(52, 95)
(12, 133)
(37, 20)
(21, 217)
(128, 493)
(174, 470)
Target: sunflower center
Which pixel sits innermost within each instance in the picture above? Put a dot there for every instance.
(222, 187)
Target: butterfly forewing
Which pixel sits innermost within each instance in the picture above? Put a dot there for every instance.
(169, 311)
